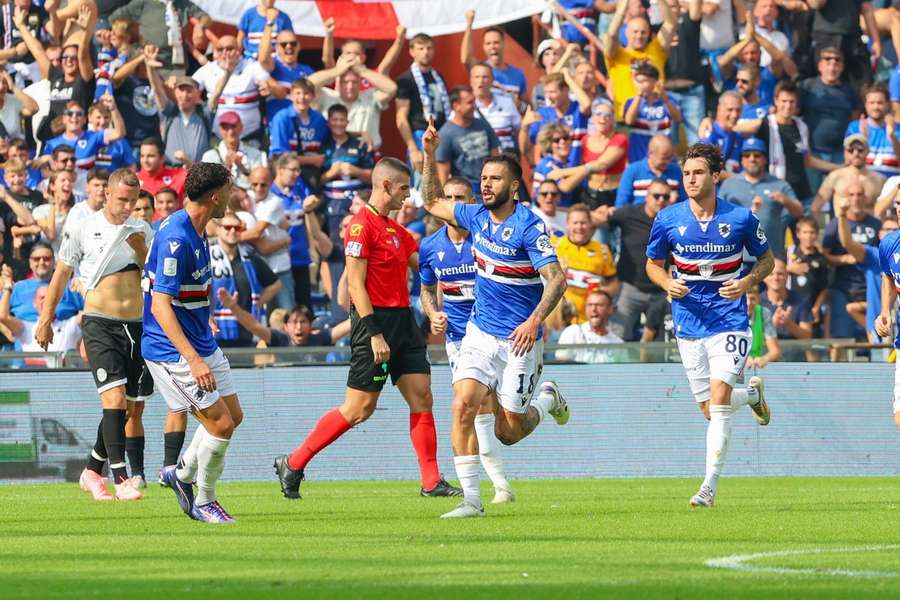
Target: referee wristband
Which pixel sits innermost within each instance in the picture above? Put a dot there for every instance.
(371, 325)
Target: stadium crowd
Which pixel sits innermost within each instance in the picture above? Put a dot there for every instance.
(802, 97)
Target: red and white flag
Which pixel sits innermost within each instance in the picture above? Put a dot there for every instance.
(378, 19)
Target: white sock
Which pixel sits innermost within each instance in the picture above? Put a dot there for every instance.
(717, 434)
(187, 472)
(467, 473)
(743, 396)
(210, 463)
(489, 451)
(542, 403)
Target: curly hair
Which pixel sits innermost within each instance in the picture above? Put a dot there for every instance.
(203, 178)
(709, 153)
(547, 133)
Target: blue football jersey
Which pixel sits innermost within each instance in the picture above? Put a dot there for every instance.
(705, 255)
(508, 255)
(451, 267)
(178, 265)
(889, 256)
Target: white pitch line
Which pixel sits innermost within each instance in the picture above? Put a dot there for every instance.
(738, 562)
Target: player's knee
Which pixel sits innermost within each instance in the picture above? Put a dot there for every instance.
(135, 410)
(237, 416)
(223, 427)
(465, 408)
(358, 412)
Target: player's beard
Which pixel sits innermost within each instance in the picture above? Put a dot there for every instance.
(497, 200)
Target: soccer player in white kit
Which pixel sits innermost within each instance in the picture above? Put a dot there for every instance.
(705, 239)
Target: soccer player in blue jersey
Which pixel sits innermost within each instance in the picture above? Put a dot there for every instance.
(889, 255)
(502, 348)
(181, 353)
(705, 239)
(446, 262)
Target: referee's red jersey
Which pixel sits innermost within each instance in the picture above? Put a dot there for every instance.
(387, 246)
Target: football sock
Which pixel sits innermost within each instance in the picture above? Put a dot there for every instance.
(187, 468)
(467, 473)
(172, 444)
(330, 427)
(134, 448)
(424, 441)
(717, 433)
(489, 450)
(542, 403)
(210, 463)
(97, 457)
(743, 396)
(114, 438)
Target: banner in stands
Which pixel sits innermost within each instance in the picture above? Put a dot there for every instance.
(636, 420)
(378, 20)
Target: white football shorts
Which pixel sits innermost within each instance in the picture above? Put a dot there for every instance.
(721, 356)
(490, 361)
(176, 384)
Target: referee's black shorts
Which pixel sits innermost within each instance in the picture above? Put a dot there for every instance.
(403, 337)
(113, 349)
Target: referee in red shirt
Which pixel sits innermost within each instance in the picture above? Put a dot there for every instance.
(385, 339)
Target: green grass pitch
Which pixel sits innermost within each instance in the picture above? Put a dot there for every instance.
(565, 539)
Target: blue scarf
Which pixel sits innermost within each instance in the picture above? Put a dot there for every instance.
(223, 278)
(425, 96)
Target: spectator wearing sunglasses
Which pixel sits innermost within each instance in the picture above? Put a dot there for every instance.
(284, 67)
(834, 187)
(555, 143)
(41, 263)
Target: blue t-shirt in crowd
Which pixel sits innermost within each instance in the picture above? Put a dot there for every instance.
(466, 149)
(290, 133)
(827, 110)
(116, 155)
(652, 118)
(86, 147)
(889, 259)
(252, 24)
(510, 81)
(584, 13)
(21, 302)
(637, 178)
(574, 119)
(285, 76)
(730, 143)
(881, 156)
(296, 220)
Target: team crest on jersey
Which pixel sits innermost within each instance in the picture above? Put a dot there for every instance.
(681, 230)
(167, 180)
(507, 233)
(173, 246)
(82, 143)
(760, 233)
(724, 229)
(440, 255)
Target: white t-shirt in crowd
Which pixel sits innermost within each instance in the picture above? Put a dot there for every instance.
(583, 334)
(241, 93)
(717, 30)
(271, 210)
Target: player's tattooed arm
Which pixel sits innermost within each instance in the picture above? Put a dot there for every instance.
(525, 335)
(734, 289)
(432, 193)
(436, 316)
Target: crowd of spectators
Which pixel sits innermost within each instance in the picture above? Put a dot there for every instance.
(802, 97)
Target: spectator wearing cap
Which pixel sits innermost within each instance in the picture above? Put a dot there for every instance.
(364, 107)
(828, 105)
(593, 330)
(239, 157)
(465, 141)
(834, 187)
(884, 146)
(283, 65)
(232, 84)
(770, 198)
(659, 164)
(186, 121)
(509, 80)
(787, 138)
(154, 174)
(721, 132)
(849, 277)
(303, 130)
(650, 112)
(642, 46)
(684, 72)
(547, 56)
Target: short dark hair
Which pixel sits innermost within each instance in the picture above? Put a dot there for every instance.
(98, 173)
(786, 86)
(62, 149)
(709, 153)
(18, 144)
(420, 38)
(647, 70)
(300, 309)
(601, 292)
(807, 221)
(154, 141)
(661, 181)
(828, 50)
(303, 84)
(337, 108)
(876, 88)
(203, 178)
(512, 165)
(167, 190)
(495, 29)
(41, 244)
(144, 194)
(457, 91)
